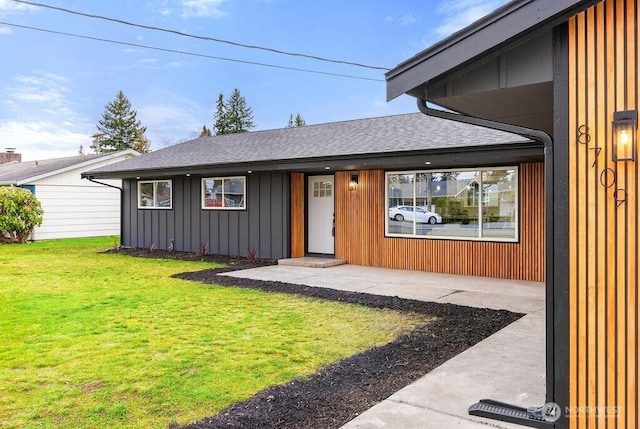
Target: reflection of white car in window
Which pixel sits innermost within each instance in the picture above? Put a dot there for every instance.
(421, 215)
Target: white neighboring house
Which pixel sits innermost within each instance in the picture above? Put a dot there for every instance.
(73, 207)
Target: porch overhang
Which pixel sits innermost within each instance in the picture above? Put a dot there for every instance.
(500, 68)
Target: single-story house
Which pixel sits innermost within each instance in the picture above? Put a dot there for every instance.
(73, 207)
(327, 189)
(565, 73)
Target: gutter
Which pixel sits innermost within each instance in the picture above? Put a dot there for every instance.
(91, 179)
(505, 412)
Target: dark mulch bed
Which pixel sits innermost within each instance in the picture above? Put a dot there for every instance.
(346, 388)
(233, 263)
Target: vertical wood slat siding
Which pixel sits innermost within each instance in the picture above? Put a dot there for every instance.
(603, 249)
(297, 215)
(360, 225)
(263, 227)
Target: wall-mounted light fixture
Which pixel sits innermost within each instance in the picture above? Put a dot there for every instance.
(624, 127)
(353, 183)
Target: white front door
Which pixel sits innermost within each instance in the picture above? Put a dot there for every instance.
(321, 215)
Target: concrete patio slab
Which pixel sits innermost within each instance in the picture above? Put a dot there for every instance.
(509, 366)
(513, 295)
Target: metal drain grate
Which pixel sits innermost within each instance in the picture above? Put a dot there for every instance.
(509, 413)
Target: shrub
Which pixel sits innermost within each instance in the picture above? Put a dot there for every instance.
(20, 212)
(204, 249)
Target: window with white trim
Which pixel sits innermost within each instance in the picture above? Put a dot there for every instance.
(224, 193)
(464, 204)
(154, 194)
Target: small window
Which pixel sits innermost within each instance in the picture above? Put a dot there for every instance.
(322, 189)
(224, 193)
(154, 194)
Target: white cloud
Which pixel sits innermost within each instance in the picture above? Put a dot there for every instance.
(44, 123)
(160, 7)
(12, 6)
(171, 122)
(152, 64)
(41, 88)
(202, 9)
(405, 19)
(5, 31)
(43, 140)
(460, 13)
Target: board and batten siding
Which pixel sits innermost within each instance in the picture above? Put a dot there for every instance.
(360, 239)
(262, 228)
(603, 220)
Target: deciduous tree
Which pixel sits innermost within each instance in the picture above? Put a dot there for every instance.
(142, 143)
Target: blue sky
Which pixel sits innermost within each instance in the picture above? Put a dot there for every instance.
(53, 88)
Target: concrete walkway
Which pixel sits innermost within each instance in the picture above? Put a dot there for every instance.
(509, 366)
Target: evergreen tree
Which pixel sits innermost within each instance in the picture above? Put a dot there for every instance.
(240, 117)
(298, 121)
(206, 132)
(220, 124)
(233, 115)
(119, 128)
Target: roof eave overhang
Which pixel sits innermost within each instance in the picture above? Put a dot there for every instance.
(30, 180)
(487, 35)
(458, 157)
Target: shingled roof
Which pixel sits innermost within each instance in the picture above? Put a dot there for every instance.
(375, 136)
(19, 173)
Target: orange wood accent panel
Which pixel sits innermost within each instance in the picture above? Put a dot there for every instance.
(360, 225)
(603, 229)
(297, 215)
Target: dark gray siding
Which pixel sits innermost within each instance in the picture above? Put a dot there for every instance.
(263, 227)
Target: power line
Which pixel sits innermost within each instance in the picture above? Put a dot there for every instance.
(194, 36)
(194, 54)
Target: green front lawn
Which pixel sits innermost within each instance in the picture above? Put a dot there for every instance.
(105, 340)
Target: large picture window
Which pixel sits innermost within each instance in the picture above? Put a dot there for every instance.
(228, 193)
(154, 194)
(478, 204)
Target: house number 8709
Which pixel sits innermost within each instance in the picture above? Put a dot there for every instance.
(608, 176)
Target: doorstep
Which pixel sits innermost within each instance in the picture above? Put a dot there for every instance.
(312, 262)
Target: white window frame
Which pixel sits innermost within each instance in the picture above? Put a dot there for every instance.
(155, 205)
(480, 236)
(223, 179)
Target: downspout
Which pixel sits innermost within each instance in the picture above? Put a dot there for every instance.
(546, 140)
(91, 179)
